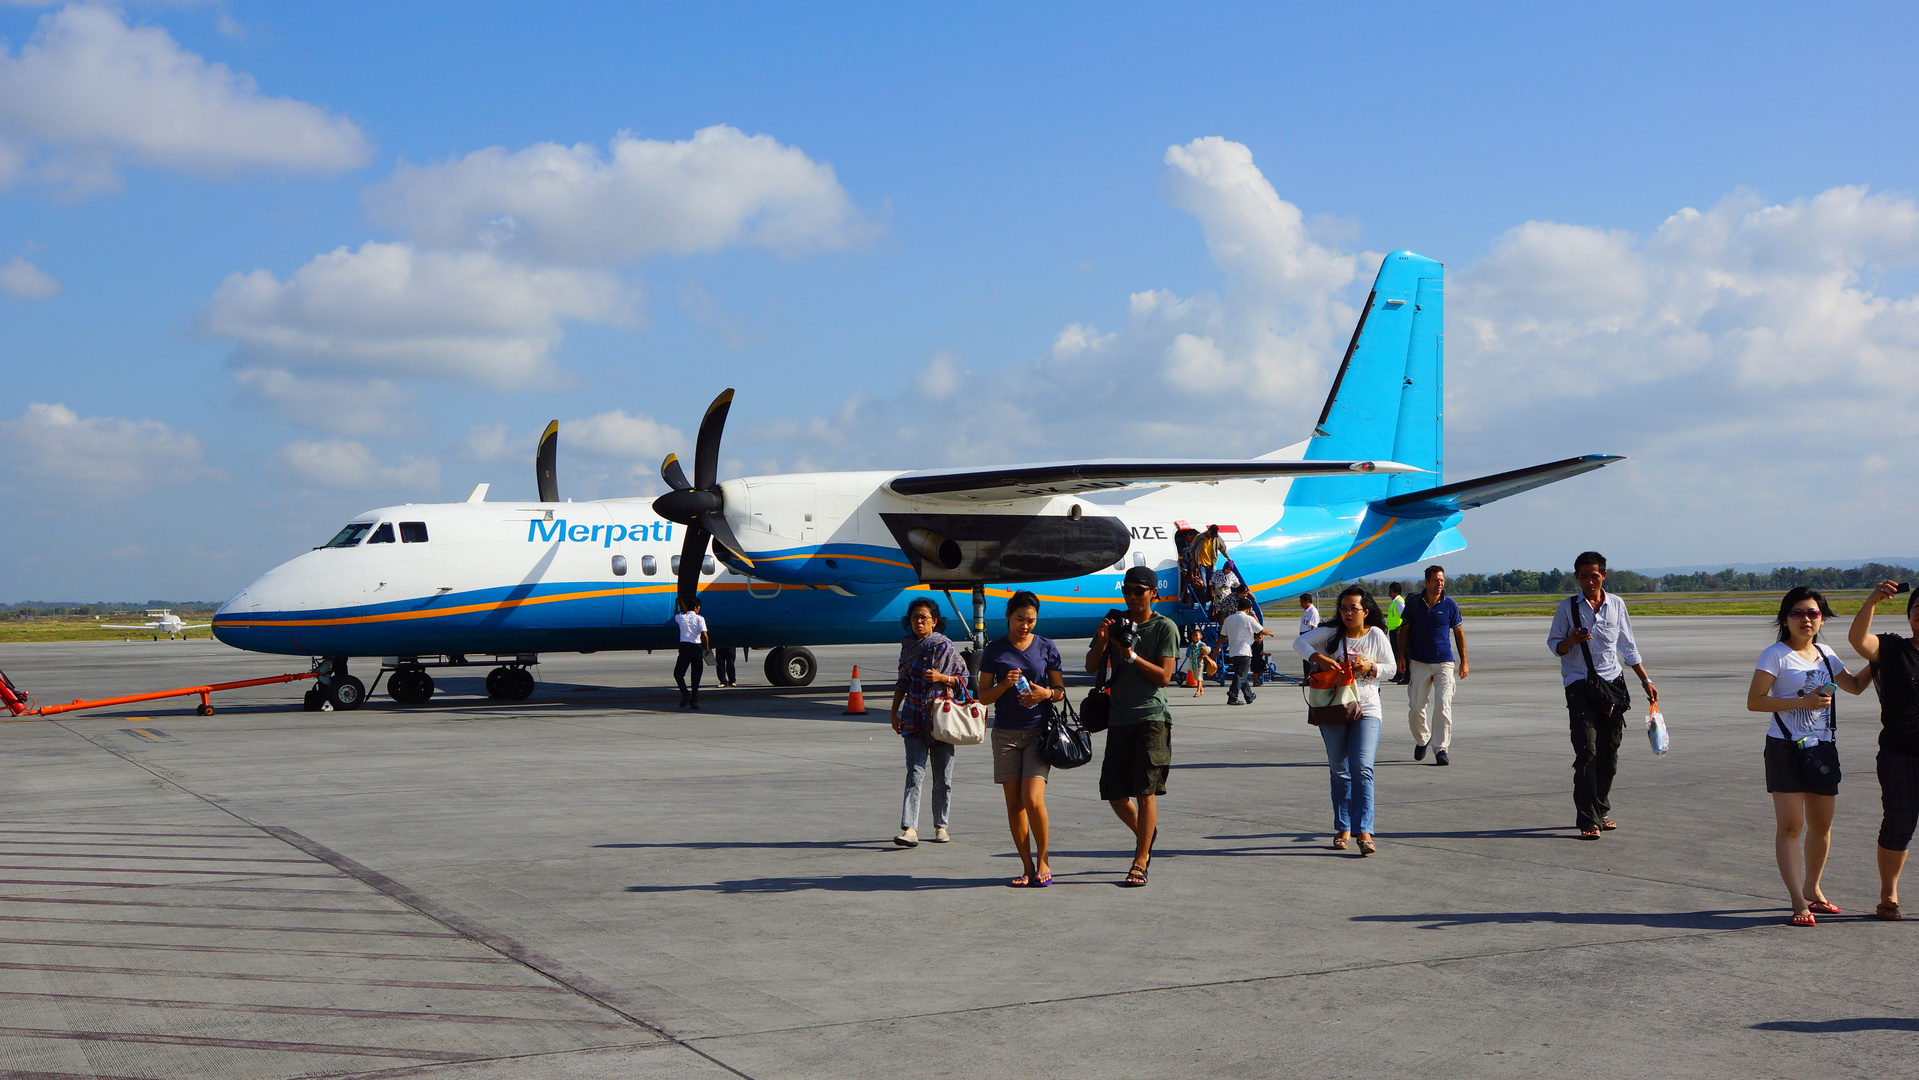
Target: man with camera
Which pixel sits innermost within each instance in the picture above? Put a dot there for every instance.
(1592, 636)
(1142, 646)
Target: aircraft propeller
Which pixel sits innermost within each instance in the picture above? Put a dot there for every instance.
(546, 462)
(699, 506)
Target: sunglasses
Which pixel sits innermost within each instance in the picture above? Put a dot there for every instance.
(1807, 613)
(1134, 589)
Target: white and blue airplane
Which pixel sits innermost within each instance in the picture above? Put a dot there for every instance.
(782, 562)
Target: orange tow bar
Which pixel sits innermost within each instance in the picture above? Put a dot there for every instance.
(206, 703)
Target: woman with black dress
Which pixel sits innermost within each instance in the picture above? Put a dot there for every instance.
(1894, 666)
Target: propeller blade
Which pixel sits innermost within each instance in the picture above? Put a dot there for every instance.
(706, 452)
(715, 522)
(674, 476)
(546, 462)
(692, 553)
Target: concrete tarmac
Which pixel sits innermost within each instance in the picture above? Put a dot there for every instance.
(593, 883)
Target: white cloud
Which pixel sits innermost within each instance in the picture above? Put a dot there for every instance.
(391, 310)
(1262, 348)
(23, 279)
(343, 463)
(493, 443)
(52, 448)
(343, 406)
(1747, 297)
(617, 435)
(574, 204)
(89, 93)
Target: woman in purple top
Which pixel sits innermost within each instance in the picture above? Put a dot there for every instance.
(1018, 719)
(929, 663)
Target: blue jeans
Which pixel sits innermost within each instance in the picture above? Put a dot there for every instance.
(1242, 679)
(1349, 754)
(919, 749)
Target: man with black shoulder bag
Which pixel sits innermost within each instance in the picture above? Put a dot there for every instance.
(1141, 646)
(1592, 636)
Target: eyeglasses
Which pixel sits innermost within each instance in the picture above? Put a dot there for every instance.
(1807, 613)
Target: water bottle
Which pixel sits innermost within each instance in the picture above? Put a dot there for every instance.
(1020, 685)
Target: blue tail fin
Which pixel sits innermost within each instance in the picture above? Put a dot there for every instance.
(1387, 398)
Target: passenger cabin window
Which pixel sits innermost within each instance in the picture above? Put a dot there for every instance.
(708, 566)
(619, 566)
(350, 535)
(412, 532)
(649, 565)
(382, 535)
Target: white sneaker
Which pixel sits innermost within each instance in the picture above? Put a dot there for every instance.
(941, 836)
(908, 838)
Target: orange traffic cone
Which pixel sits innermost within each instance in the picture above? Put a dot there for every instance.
(1192, 679)
(855, 697)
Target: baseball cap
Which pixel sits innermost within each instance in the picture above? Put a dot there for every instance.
(1141, 575)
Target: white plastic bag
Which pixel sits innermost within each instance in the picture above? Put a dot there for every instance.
(1656, 733)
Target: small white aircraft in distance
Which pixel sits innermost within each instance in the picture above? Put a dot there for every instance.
(162, 620)
(783, 562)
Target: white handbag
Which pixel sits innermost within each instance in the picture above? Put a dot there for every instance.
(961, 723)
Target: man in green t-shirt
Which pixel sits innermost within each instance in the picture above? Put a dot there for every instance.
(1139, 738)
(1396, 614)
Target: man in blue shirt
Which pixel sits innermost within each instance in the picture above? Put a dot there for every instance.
(1592, 636)
(1431, 635)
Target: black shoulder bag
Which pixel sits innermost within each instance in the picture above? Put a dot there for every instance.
(1064, 743)
(1602, 695)
(1818, 763)
(1097, 708)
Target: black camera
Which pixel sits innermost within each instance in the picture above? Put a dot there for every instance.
(1123, 633)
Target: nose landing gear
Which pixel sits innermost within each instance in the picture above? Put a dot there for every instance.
(335, 687)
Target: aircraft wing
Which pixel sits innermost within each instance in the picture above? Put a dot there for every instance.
(1008, 483)
(197, 626)
(1467, 494)
(121, 626)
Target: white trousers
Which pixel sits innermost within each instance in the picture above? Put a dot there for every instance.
(1431, 690)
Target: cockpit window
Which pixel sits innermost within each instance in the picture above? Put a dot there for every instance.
(350, 535)
(382, 535)
(412, 532)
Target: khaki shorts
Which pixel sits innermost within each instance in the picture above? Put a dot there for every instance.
(1016, 755)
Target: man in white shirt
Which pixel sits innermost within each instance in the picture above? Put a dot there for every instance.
(1308, 620)
(1240, 630)
(693, 647)
(1592, 636)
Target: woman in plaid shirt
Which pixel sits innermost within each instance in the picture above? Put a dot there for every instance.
(929, 664)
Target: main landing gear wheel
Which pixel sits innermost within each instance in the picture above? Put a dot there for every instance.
(791, 665)
(410, 686)
(511, 683)
(346, 693)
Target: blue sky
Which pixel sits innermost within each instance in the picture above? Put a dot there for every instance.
(264, 266)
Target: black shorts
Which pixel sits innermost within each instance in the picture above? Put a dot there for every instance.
(1137, 758)
(1898, 797)
(1782, 770)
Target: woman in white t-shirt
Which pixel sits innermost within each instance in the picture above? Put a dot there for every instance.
(1793, 683)
(1358, 641)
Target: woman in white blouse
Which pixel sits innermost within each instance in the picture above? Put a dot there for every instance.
(1358, 642)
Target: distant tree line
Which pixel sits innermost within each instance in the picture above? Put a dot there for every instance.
(1631, 581)
(34, 609)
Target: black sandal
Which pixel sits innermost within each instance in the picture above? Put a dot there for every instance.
(1135, 878)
